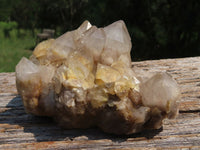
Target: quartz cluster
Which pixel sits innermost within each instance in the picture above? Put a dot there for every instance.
(84, 78)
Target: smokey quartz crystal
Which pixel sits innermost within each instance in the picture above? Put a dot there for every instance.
(84, 79)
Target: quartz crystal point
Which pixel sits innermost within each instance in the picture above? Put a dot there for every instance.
(84, 79)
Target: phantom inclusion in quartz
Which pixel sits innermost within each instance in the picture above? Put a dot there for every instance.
(84, 79)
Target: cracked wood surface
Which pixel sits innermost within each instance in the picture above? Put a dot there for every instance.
(19, 130)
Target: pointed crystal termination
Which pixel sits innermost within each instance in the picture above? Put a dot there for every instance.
(84, 79)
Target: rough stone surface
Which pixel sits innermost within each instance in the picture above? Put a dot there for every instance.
(84, 79)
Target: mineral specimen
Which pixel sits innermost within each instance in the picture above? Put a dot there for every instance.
(84, 79)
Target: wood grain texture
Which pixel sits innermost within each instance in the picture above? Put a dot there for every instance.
(19, 130)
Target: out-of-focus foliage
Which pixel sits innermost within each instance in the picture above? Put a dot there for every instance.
(7, 27)
(5, 10)
(158, 28)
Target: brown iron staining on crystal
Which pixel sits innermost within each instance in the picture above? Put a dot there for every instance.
(84, 79)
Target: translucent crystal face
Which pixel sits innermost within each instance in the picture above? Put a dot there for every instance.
(84, 78)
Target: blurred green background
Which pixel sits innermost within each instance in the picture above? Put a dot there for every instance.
(158, 28)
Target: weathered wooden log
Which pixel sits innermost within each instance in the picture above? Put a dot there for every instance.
(46, 34)
(49, 31)
(19, 130)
